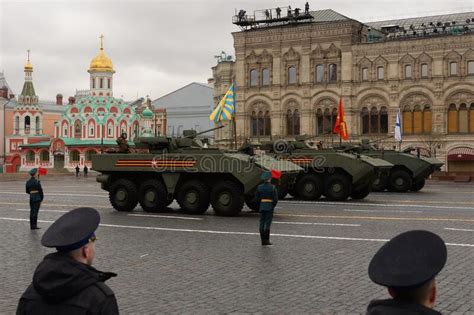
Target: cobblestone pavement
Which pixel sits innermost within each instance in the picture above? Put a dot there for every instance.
(174, 263)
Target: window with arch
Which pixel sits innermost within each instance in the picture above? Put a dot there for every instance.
(265, 77)
(453, 68)
(452, 119)
(365, 74)
(407, 120)
(108, 83)
(93, 83)
(325, 120)
(319, 122)
(101, 83)
(417, 120)
(292, 122)
(292, 75)
(91, 129)
(44, 156)
(89, 154)
(427, 119)
(424, 70)
(463, 119)
(332, 72)
(470, 67)
(460, 118)
(408, 72)
(77, 129)
(380, 73)
(30, 156)
(374, 121)
(253, 77)
(74, 156)
(110, 129)
(260, 123)
(65, 127)
(319, 73)
(27, 124)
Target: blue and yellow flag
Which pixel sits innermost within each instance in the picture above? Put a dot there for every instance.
(226, 107)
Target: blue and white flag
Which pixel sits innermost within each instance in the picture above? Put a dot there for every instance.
(398, 128)
(226, 107)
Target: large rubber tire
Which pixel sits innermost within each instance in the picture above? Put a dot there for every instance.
(338, 187)
(252, 203)
(282, 191)
(400, 181)
(193, 197)
(123, 195)
(152, 196)
(227, 198)
(309, 187)
(361, 192)
(380, 183)
(418, 185)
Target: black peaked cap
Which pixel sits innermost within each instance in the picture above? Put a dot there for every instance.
(71, 228)
(409, 259)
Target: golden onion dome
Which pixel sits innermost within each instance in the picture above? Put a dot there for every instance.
(101, 62)
(28, 65)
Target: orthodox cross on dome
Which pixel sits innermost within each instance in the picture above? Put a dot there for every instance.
(101, 41)
(28, 55)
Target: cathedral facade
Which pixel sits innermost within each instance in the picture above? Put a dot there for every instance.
(290, 79)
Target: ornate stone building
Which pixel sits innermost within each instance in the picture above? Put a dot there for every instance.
(290, 77)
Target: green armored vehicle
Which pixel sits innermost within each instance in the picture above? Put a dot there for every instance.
(408, 172)
(335, 175)
(185, 170)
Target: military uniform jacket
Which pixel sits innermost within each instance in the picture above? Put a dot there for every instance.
(397, 307)
(34, 189)
(62, 285)
(266, 191)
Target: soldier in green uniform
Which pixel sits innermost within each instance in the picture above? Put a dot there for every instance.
(267, 197)
(34, 189)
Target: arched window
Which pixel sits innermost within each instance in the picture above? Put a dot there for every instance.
(30, 156)
(37, 125)
(332, 72)
(74, 156)
(260, 124)
(319, 122)
(89, 155)
(407, 121)
(365, 74)
(265, 77)
(408, 73)
(110, 129)
(27, 124)
(253, 77)
(93, 82)
(268, 124)
(77, 129)
(383, 120)
(101, 83)
(254, 124)
(108, 83)
(380, 73)
(452, 119)
(427, 119)
(327, 121)
(424, 70)
(470, 67)
(417, 120)
(319, 73)
(44, 156)
(17, 124)
(463, 119)
(292, 122)
(374, 120)
(292, 75)
(364, 116)
(453, 68)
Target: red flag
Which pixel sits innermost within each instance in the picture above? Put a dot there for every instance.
(340, 127)
(42, 171)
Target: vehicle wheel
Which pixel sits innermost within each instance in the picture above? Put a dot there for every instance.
(152, 196)
(227, 198)
(418, 185)
(169, 201)
(380, 183)
(361, 193)
(252, 203)
(193, 197)
(309, 187)
(400, 181)
(338, 187)
(123, 195)
(282, 191)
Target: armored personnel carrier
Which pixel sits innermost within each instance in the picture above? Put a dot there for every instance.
(335, 175)
(408, 172)
(185, 170)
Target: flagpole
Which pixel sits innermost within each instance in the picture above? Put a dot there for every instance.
(234, 131)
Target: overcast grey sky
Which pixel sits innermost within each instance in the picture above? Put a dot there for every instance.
(156, 46)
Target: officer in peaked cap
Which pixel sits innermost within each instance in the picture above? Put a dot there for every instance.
(267, 197)
(407, 265)
(65, 281)
(34, 189)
